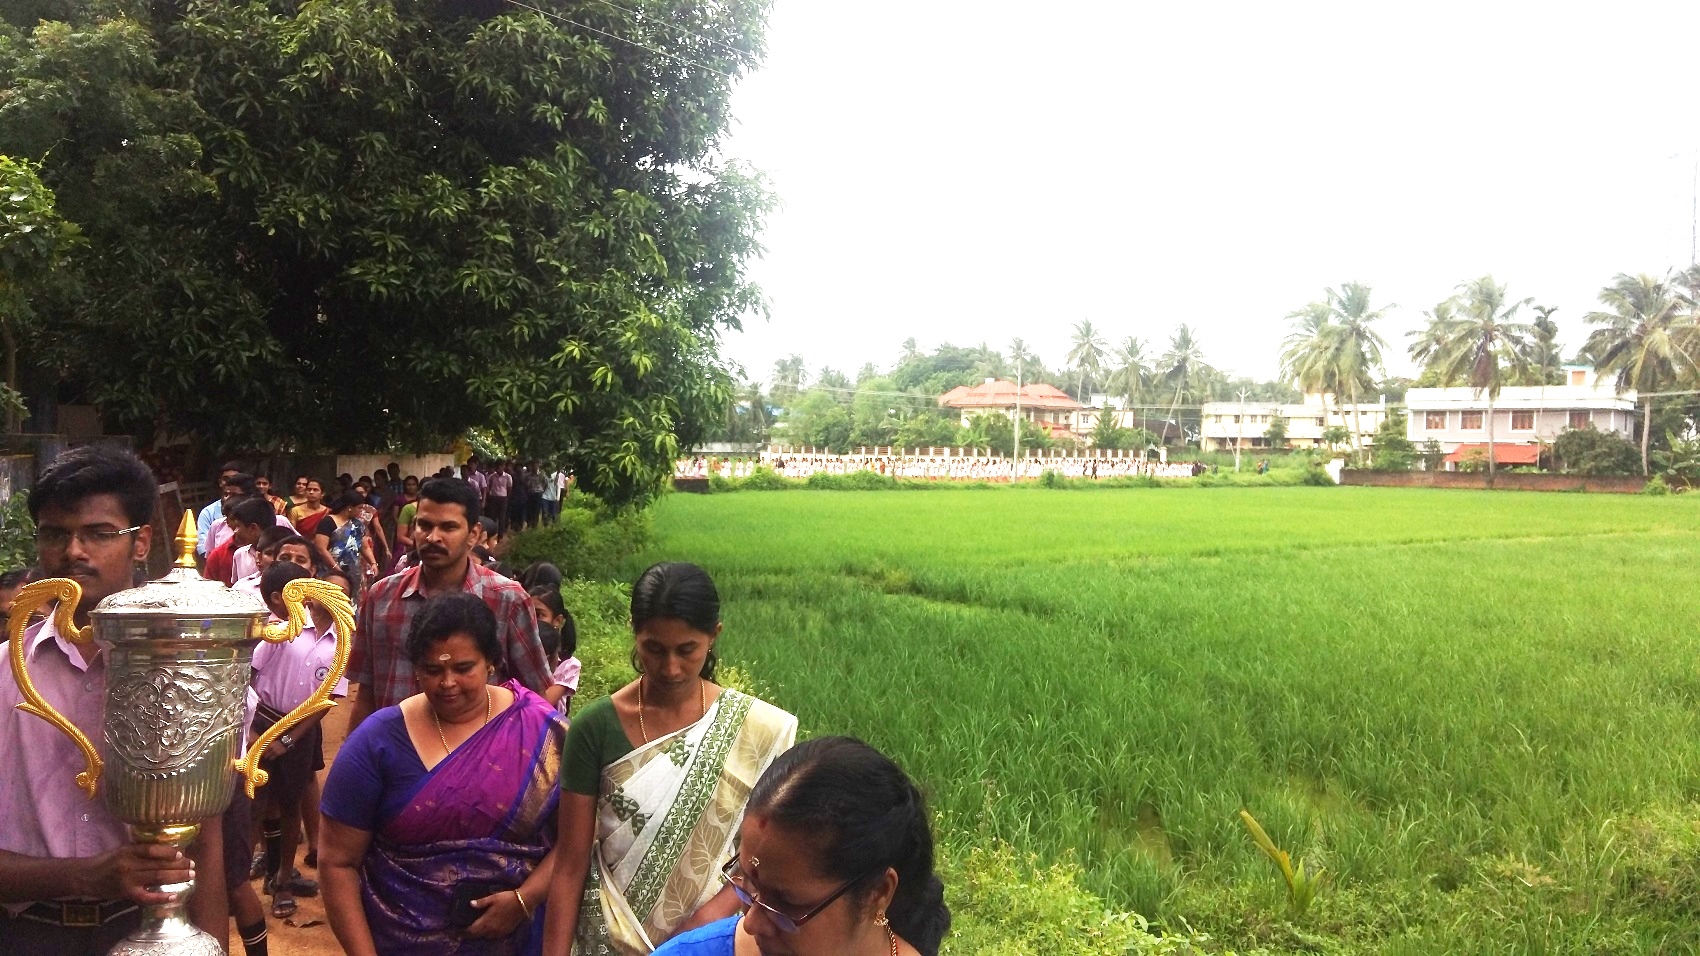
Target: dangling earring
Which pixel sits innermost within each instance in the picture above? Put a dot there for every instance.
(880, 920)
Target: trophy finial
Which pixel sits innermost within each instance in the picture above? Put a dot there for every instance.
(186, 539)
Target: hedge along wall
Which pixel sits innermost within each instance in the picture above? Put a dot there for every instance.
(1504, 481)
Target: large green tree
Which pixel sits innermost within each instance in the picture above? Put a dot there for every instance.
(1132, 375)
(1477, 341)
(34, 244)
(1086, 355)
(1334, 348)
(351, 224)
(1645, 337)
(1183, 370)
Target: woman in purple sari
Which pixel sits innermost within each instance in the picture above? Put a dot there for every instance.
(439, 812)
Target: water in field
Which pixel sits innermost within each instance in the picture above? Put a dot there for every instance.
(1478, 711)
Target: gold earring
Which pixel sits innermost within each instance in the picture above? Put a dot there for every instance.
(880, 920)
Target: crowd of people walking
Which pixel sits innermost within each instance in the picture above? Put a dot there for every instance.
(472, 808)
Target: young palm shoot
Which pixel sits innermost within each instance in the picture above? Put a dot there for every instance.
(1302, 887)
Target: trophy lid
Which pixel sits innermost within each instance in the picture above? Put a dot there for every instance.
(182, 592)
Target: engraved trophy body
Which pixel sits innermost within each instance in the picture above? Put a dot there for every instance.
(178, 655)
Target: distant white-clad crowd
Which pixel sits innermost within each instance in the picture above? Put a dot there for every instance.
(931, 467)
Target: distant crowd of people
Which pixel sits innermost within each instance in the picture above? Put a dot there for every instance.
(933, 467)
(464, 813)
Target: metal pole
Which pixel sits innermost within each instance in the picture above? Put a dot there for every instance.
(1240, 440)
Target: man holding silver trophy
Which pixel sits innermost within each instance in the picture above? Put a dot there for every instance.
(144, 690)
(72, 880)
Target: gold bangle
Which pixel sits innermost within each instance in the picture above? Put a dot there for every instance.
(522, 907)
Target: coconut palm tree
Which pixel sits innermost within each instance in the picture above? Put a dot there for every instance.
(1087, 355)
(1481, 344)
(1642, 338)
(1355, 347)
(1307, 352)
(788, 377)
(1132, 375)
(1181, 367)
(1545, 359)
(1427, 341)
(760, 417)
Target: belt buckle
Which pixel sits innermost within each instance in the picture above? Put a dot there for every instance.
(80, 914)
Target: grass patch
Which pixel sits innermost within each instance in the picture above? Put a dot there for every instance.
(1478, 711)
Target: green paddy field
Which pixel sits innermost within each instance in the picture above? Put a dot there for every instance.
(1480, 712)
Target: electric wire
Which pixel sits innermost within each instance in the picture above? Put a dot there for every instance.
(639, 17)
(615, 36)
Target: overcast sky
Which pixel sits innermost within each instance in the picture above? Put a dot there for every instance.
(970, 172)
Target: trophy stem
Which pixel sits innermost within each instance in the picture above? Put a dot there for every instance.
(165, 929)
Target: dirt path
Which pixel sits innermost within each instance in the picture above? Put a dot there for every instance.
(310, 935)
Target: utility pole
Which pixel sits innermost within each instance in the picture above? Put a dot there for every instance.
(1240, 440)
(1015, 458)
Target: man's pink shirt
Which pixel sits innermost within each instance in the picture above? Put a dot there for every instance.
(43, 813)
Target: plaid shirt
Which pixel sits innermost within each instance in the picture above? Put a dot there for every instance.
(379, 659)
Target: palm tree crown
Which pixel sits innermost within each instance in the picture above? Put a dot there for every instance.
(1480, 343)
(1087, 355)
(1181, 368)
(1645, 337)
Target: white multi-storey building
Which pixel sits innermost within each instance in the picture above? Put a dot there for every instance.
(1524, 416)
(1227, 424)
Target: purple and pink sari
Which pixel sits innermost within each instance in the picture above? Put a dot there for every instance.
(486, 813)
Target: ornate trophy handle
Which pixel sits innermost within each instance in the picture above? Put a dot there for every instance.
(33, 595)
(295, 595)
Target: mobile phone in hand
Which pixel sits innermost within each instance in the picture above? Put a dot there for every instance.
(461, 911)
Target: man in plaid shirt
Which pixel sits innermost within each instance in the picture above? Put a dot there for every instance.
(444, 532)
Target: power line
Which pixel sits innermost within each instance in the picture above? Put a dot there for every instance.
(615, 36)
(638, 17)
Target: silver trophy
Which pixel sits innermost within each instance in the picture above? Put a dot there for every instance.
(177, 672)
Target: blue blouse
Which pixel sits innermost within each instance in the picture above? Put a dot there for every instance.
(715, 939)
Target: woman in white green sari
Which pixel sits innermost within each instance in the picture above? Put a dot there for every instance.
(654, 779)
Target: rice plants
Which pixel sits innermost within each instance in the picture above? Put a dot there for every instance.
(1463, 705)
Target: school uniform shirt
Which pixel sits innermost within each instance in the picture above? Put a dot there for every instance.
(286, 674)
(248, 585)
(243, 563)
(221, 532)
(46, 814)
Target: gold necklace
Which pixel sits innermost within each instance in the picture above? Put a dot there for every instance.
(702, 702)
(893, 936)
(439, 720)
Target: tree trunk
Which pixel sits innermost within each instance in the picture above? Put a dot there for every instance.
(1646, 434)
(1357, 426)
(1174, 414)
(1492, 459)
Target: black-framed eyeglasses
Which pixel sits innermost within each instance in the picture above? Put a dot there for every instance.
(57, 539)
(733, 874)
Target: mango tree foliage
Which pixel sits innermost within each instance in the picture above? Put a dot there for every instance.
(348, 225)
(34, 242)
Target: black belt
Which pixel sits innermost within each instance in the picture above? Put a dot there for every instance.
(76, 913)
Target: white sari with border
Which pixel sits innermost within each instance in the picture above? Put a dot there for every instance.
(666, 817)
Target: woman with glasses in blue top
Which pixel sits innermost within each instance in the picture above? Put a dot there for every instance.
(835, 858)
